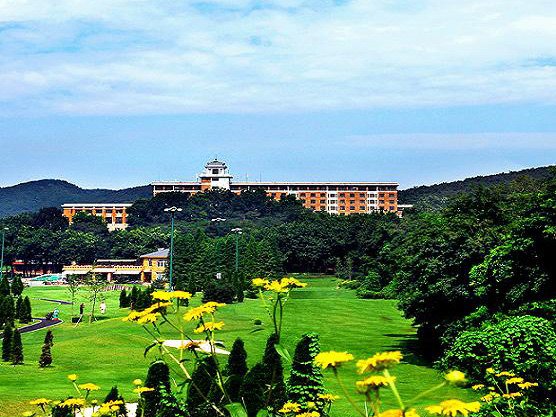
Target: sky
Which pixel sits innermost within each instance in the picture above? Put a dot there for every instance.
(116, 93)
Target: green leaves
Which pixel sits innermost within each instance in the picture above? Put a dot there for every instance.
(236, 410)
(283, 352)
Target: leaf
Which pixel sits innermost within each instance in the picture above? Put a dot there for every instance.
(256, 330)
(283, 352)
(496, 414)
(149, 348)
(236, 410)
(262, 413)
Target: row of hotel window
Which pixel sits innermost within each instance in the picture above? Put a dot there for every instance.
(197, 187)
(352, 195)
(322, 202)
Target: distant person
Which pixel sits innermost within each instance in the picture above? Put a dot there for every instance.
(55, 314)
(102, 307)
(81, 309)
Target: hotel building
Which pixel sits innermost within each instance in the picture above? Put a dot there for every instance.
(333, 197)
(114, 214)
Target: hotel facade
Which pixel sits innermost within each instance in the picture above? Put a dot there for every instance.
(342, 198)
(114, 214)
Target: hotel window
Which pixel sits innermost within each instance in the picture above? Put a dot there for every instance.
(362, 195)
(391, 207)
(361, 207)
(352, 194)
(381, 201)
(351, 201)
(352, 208)
(313, 201)
(342, 207)
(162, 263)
(312, 194)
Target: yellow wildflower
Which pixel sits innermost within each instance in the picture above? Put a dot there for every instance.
(374, 382)
(148, 318)
(137, 382)
(455, 377)
(477, 387)
(292, 283)
(527, 385)
(141, 390)
(309, 414)
(504, 373)
(276, 286)
(290, 407)
(328, 397)
(489, 397)
(512, 395)
(155, 307)
(311, 405)
(515, 380)
(332, 359)
(40, 401)
(133, 316)
(209, 326)
(379, 361)
(259, 282)
(72, 377)
(73, 403)
(28, 414)
(89, 387)
(197, 312)
(182, 295)
(399, 413)
(161, 295)
(453, 408)
(490, 371)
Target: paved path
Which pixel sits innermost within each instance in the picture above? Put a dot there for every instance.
(41, 324)
(55, 301)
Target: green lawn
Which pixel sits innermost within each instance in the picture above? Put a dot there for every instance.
(110, 352)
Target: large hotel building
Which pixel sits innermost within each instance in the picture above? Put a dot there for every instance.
(332, 197)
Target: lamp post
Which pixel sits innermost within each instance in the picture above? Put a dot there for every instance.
(172, 211)
(238, 232)
(2, 253)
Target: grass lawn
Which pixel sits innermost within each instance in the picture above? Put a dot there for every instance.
(110, 352)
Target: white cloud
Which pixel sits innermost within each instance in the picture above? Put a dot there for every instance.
(149, 56)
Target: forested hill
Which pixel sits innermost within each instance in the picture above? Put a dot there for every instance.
(33, 195)
(435, 196)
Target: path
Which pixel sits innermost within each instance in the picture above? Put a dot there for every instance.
(50, 300)
(42, 324)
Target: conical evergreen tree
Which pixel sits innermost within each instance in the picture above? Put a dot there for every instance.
(7, 343)
(124, 301)
(17, 286)
(114, 395)
(26, 315)
(16, 354)
(133, 297)
(46, 355)
(158, 376)
(202, 380)
(306, 380)
(18, 308)
(7, 310)
(5, 285)
(252, 392)
(276, 393)
(49, 338)
(236, 370)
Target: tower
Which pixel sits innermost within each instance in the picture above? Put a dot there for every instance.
(215, 175)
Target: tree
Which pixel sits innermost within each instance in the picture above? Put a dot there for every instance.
(7, 343)
(17, 286)
(26, 314)
(7, 310)
(276, 392)
(114, 395)
(73, 284)
(236, 370)
(135, 292)
(199, 389)
(252, 392)
(46, 354)
(306, 379)
(124, 299)
(158, 376)
(16, 354)
(95, 286)
(18, 308)
(5, 286)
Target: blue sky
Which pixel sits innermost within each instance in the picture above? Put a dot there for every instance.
(114, 93)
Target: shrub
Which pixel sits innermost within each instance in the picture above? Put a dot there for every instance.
(219, 291)
(525, 345)
(17, 286)
(158, 376)
(252, 392)
(202, 380)
(276, 393)
(7, 310)
(5, 286)
(114, 395)
(236, 369)
(18, 308)
(16, 354)
(306, 379)
(26, 315)
(7, 343)
(350, 284)
(46, 355)
(124, 299)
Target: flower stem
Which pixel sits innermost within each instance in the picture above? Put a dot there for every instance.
(392, 386)
(348, 397)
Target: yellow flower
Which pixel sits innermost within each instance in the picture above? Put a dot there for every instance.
(89, 387)
(332, 359)
(477, 387)
(399, 413)
(490, 371)
(182, 295)
(73, 403)
(455, 377)
(72, 377)
(454, 408)
(379, 361)
(328, 397)
(133, 316)
(290, 407)
(374, 382)
(155, 307)
(504, 373)
(141, 390)
(512, 395)
(28, 414)
(292, 283)
(40, 401)
(309, 414)
(198, 312)
(148, 318)
(209, 326)
(311, 405)
(515, 380)
(489, 397)
(259, 282)
(276, 286)
(161, 295)
(137, 382)
(527, 385)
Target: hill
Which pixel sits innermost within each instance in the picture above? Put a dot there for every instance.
(33, 195)
(436, 195)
